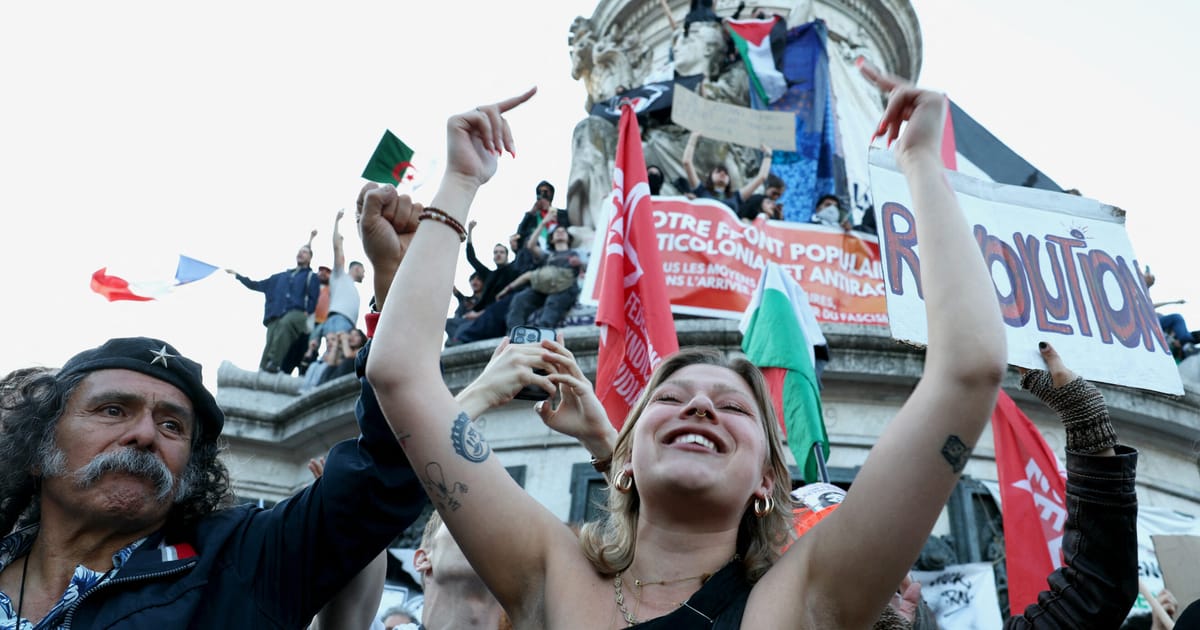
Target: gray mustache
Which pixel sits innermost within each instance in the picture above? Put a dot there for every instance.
(133, 462)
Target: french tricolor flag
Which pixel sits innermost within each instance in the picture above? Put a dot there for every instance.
(116, 288)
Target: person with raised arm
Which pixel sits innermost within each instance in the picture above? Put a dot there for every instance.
(717, 184)
(699, 504)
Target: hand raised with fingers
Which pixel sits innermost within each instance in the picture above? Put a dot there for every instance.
(1077, 402)
(908, 599)
(316, 467)
(475, 139)
(510, 369)
(579, 412)
(923, 110)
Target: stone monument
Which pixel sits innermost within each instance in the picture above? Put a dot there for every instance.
(629, 43)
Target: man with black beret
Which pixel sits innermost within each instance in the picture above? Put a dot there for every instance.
(114, 508)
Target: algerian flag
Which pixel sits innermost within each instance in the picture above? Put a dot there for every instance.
(776, 332)
(753, 41)
(389, 162)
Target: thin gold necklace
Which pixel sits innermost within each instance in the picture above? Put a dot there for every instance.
(619, 592)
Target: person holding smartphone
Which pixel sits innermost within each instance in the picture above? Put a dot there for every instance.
(542, 214)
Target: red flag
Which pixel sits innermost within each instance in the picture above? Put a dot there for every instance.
(634, 315)
(1033, 496)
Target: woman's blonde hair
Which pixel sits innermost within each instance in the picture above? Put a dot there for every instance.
(609, 544)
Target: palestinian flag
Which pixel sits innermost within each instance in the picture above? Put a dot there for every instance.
(774, 338)
(969, 147)
(390, 161)
(753, 41)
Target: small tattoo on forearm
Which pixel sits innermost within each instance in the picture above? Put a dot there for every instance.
(440, 491)
(956, 453)
(468, 441)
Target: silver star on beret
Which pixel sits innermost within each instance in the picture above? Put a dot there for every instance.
(161, 356)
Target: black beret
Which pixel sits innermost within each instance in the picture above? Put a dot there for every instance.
(159, 360)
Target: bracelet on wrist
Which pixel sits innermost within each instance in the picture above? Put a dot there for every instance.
(442, 217)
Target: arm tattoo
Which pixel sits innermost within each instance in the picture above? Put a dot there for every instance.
(467, 441)
(440, 491)
(956, 453)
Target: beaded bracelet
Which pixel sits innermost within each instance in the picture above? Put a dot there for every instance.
(445, 219)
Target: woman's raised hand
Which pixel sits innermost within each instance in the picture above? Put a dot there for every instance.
(510, 369)
(579, 413)
(475, 139)
(923, 110)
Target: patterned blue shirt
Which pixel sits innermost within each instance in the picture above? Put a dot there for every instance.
(18, 544)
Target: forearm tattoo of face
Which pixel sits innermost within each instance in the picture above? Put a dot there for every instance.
(468, 442)
(956, 453)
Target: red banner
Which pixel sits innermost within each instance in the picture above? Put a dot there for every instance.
(1033, 503)
(636, 328)
(711, 261)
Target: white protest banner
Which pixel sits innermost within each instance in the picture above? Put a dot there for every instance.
(730, 123)
(1063, 268)
(962, 596)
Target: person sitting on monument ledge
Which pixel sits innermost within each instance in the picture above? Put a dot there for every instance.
(698, 469)
(717, 184)
(553, 286)
(542, 217)
(1182, 341)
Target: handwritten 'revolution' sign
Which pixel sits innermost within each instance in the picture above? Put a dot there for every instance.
(712, 262)
(1063, 268)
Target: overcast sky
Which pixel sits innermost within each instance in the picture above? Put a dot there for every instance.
(136, 131)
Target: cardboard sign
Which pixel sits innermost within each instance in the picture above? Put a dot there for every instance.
(1179, 558)
(1063, 269)
(730, 123)
(712, 261)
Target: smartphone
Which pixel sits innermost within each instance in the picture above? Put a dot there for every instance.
(531, 334)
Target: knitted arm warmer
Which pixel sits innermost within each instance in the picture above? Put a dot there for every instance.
(1081, 407)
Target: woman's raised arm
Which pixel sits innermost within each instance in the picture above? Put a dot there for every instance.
(479, 502)
(842, 574)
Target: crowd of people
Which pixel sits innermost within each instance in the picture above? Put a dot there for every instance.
(116, 511)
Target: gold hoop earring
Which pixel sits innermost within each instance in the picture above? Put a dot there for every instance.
(623, 481)
(763, 505)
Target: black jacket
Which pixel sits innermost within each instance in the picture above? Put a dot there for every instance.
(1097, 583)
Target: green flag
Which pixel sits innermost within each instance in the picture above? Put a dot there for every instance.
(774, 339)
(390, 161)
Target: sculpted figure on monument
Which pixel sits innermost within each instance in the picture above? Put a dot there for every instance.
(607, 64)
(617, 61)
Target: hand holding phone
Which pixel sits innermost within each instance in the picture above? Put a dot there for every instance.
(531, 334)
